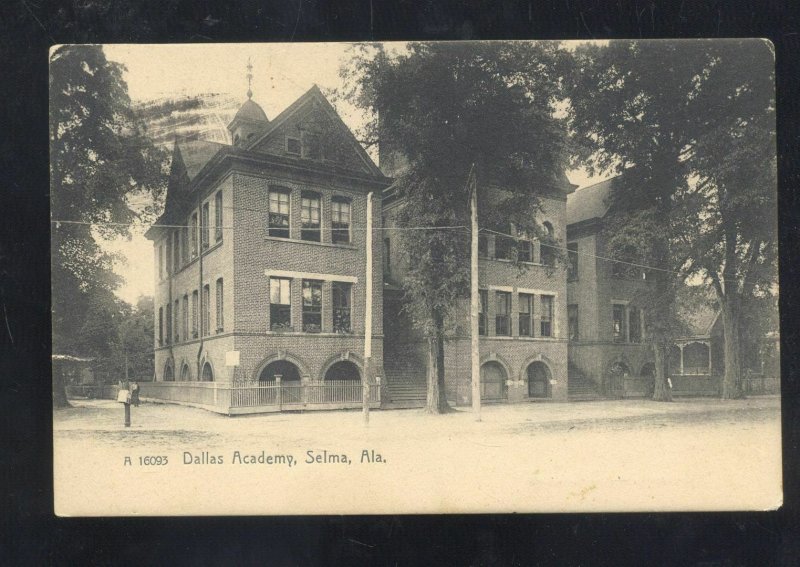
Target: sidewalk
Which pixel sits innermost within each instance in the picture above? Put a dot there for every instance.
(107, 415)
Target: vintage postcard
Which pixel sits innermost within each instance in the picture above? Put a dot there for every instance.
(442, 277)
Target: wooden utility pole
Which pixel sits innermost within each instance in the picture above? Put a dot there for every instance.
(474, 297)
(368, 316)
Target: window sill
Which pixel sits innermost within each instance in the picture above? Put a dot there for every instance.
(311, 242)
(507, 261)
(325, 334)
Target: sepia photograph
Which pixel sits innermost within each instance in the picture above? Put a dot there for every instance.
(414, 278)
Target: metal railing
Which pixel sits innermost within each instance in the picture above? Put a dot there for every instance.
(274, 395)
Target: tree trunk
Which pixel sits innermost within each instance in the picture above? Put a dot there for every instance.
(59, 389)
(732, 381)
(437, 398)
(661, 392)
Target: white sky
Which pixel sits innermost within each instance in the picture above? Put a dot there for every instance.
(281, 73)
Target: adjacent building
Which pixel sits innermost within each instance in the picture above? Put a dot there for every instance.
(522, 321)
(608, 353)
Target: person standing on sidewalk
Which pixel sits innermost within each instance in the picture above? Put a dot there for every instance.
(135, 393)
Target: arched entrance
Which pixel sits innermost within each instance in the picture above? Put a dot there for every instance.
(616, 378)
(493, 381)
(539, 380)
(648, 372)
(283, 368)
(343, 370)
(169, 376)
(291, 391)
(208, 373)
(186, 374)
(342, 382)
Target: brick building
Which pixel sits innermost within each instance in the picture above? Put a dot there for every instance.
(606, 316)
(260, 251)
(523, 316)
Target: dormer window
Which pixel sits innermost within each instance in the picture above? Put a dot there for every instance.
(293, 146)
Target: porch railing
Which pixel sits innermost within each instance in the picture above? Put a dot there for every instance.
(341, 393)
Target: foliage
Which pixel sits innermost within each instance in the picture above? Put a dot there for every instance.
(442, 110)
(100, 158)
(690, 126)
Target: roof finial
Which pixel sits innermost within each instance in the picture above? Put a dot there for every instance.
(249, 78)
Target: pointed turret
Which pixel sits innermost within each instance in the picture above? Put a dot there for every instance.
(251, 119)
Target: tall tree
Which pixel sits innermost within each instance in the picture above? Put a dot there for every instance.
(733, 242)
(444, 108)
(100, 158)
(632, 113)
(690, 126)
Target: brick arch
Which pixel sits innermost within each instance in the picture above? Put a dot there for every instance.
(184, 364)
(523, 371)
(281, 355)
(169, 364)
(494, 357)
(619, 359)
(346, 355)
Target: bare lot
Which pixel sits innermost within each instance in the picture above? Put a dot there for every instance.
(621, 455)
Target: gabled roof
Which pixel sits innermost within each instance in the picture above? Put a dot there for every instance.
(590, 202)
(195, 154)
(696, 310)
(315, 94)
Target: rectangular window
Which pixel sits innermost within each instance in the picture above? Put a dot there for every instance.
(160, 260)
(280, 304)
(635, 324)
(218, 216)
(206, 326)
(572, 316)
(483, 246)
(194, 235)
(220, 307)
(572, 257)
(312, 306)
(204, 227)
(185, 245)
(546, 321)
(293, 146)
(618, 323)
(525, 315)
(279, 213)
(168, 319)
(176, 249)
(194, 314)
(185, 314)
(483, 298)
(342, 301)
(503, 248)
(309, 216)
(177, 323)
(524, 251)
(387, 256)
(547, 246)
(340, 220)
(502, 320)
(168, 248)
(160, 326)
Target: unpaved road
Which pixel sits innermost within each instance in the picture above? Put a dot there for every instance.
(613, 455)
